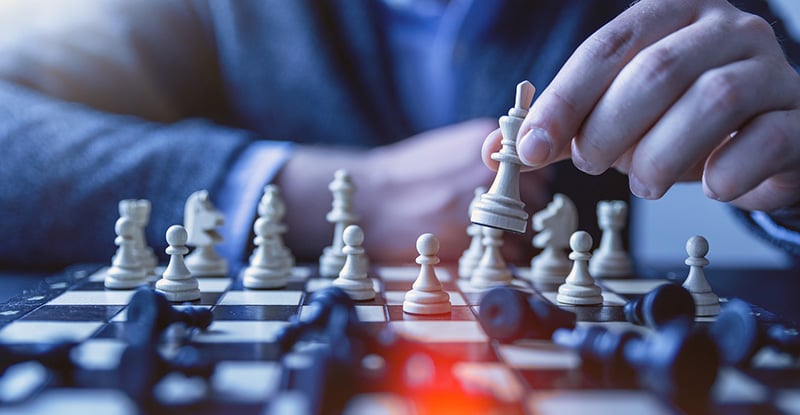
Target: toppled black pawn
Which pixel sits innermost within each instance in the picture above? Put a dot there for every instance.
(508, 314)
(739, 334)
(149, 313)
(677, 362)
(141, 367)
(660, 306)
(331, 315)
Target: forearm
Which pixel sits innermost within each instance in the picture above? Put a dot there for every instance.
(65, 167)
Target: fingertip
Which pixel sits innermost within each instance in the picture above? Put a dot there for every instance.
(535, 147)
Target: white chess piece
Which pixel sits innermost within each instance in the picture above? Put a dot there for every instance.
(201, 220)
(272, 200)
(492, 269)
(139, 211)
(501, 206)
(126, 271)
(268, 267)
(177, 283)
(353, 275)
(706, 302)
(426, 295)
(341, 215)
(610, 260)
(579, 287)
(555, 224)
(472, 255)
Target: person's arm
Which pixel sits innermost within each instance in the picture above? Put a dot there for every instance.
(69, 72)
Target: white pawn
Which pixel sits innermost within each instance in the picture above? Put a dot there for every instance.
(579, 287)
(555, 225)
(472, 255)
(272, 200)
(706, 302)
(126, 270)
(427, 295)
(610, 259)
(492, 269)
(353, 276)
(177, 283)
(341, 215)
(268, 267)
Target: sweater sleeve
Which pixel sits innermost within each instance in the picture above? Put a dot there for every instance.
(102, 101)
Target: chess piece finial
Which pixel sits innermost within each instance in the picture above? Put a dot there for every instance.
(501, 206)
(177, 282)
(201, 220)
(472, 255)
(353, 277)
(342, 215)
(126, 270)
(427, 295)
(579, 288)
(611, 260)
(706, 302)
(555, 224)
(492, 270)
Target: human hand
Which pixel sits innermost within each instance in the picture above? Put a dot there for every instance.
(425, 184)
(672, 91)
(422, 184)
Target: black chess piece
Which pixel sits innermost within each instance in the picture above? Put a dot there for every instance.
(55, 357)
(331, 315)
(508, 314)
(661, 305)
(149, 313)
(739, 334)
(677, 362)
(141, 367)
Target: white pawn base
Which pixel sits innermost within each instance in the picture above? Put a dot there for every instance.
(358, 290)
(179, 291)
(262, 278)
(489, 278)
(579, 295)
(706, 304)
(424, 302)
(122, 279)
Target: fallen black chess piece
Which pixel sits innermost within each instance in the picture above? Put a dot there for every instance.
(677, 362)
(660, 306)
(739, 334)
(141, 367)
(149, 314)
(508, 314)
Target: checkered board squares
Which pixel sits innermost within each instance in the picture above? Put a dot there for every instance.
(536, 374)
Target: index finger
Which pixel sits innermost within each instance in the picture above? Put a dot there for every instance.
(555, 118)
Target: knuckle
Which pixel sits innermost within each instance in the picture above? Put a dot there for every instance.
(751, 25)
(656, 64)
(721, 91)
(611, 43)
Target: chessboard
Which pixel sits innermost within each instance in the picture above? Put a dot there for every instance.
(250, 373)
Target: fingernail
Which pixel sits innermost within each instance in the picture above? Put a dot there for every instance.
(638, 188)
(710, 193)
(582, 164)
(534, 147)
